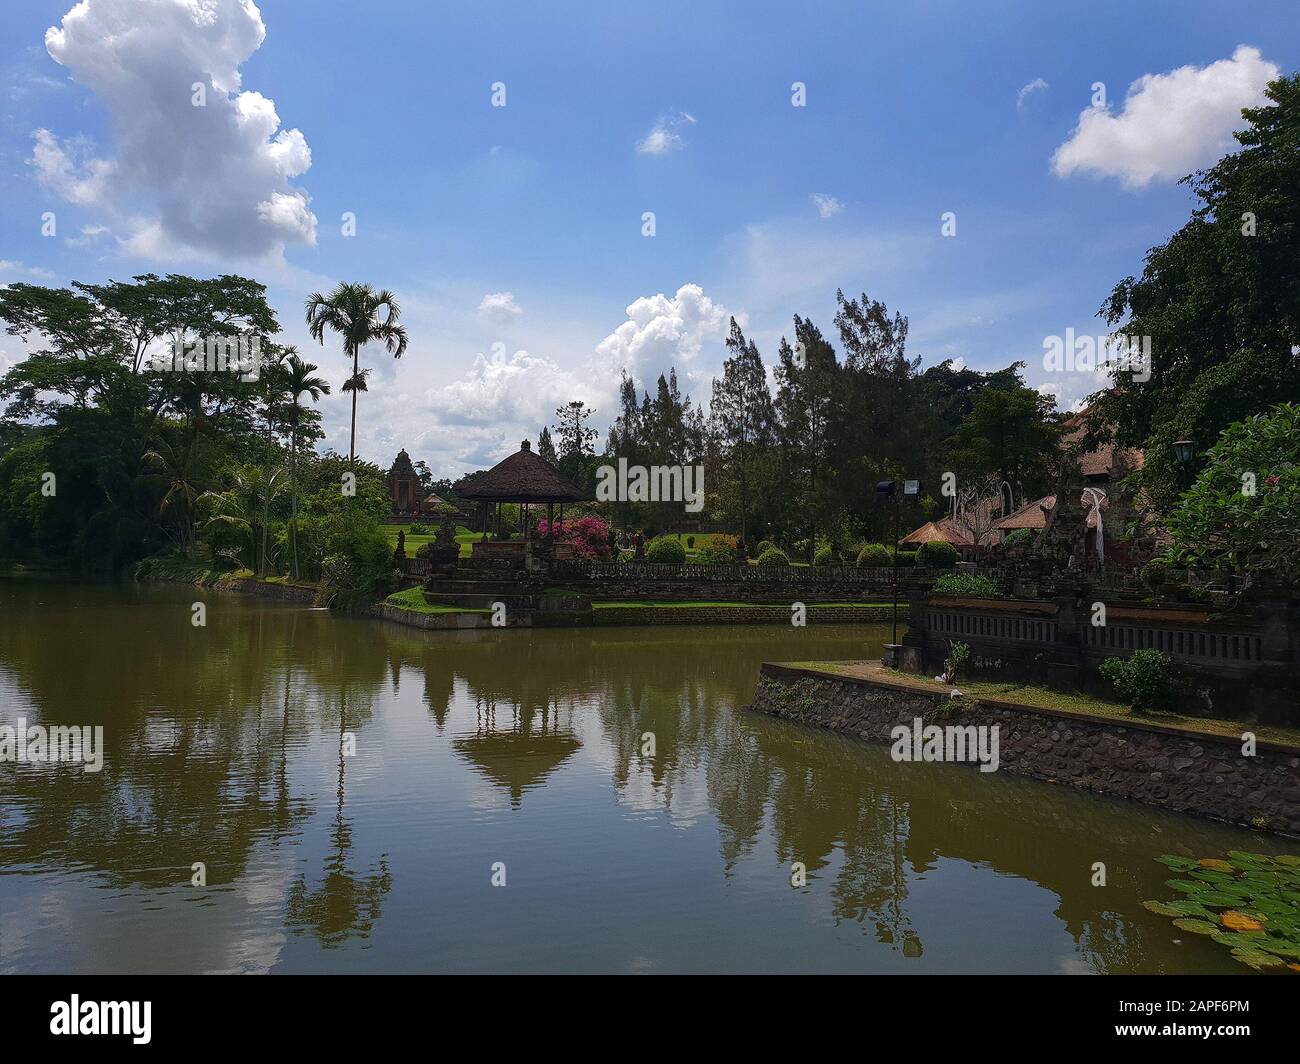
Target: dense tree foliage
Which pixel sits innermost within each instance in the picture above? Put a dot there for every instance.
(1220, 301)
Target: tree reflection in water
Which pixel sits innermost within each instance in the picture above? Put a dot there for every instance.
(345, 904)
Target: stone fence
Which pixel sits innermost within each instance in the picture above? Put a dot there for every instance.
(1244, 661)
(1184, 771)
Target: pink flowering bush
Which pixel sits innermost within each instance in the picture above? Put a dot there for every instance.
(589, 536)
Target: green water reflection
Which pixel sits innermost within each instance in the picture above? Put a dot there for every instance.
(232, 745)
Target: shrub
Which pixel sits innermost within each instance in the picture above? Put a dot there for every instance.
(690, 542)
(906, 559)
(1019, 539)
(721, 550)
(968, 585)
(665, 550)
(940, 554)
(1145, 680)
(1155, 573)
(763, 547)
(958, 658)
(824, 556)
(358, 563)
(418, 529)
(588, 536)
(773, 556)
(874, 555)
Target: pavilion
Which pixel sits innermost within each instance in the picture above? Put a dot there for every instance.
(529, 480)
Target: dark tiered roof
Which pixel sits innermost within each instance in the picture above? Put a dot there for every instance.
(402, 466)
(523, 477)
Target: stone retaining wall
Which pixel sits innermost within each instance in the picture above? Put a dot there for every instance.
(440, 621)
(729, 615)
(260, 588)
(1198, 773)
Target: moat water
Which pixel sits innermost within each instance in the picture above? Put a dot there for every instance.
(353, 788)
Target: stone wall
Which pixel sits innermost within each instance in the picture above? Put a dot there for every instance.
(1191, 773)
(729, 615)
(439, 621)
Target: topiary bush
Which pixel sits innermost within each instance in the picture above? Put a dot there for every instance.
(1145, 680)
(873, 556)
(763, 547)
(938, 555)
(418, 529)
(1019, 539)
(824, 556)
(773, 556)
(967, 585)
(666, 551)
(690, 542)
(906, 559)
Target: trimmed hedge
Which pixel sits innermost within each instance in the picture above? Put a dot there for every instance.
(824, 556)
(939, 555)
(773, 556)
(1019, 538)
(665, 550)
(969, 585)
(874, 556)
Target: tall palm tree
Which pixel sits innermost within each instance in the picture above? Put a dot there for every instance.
(361, 316)
(299, 381)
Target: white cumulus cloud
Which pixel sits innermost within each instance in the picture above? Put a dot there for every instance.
(506, 389)
(666, 136)
(500, 307)
(183, 180)
(827, 206)
(1170, 125)
(661, 332)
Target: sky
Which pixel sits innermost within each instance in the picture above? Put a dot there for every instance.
(990, 171)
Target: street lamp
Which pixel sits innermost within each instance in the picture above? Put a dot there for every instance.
(1184, 451)
(886, 490)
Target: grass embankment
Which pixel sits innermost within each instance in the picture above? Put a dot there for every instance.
(413, 599)
(1035, 697)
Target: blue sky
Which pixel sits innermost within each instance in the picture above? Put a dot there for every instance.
(912, 111)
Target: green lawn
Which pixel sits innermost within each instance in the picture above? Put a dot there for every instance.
(413, 543)
(413, 599)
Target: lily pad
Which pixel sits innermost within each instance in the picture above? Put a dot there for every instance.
(1197, 927)
(1236, 921)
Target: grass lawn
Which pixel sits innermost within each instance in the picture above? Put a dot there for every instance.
(413, 543)
(413, 599)
(1046, 698)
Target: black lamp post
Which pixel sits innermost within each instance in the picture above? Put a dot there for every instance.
(885, 491)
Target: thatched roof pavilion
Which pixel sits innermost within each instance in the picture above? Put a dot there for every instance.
(525, 478)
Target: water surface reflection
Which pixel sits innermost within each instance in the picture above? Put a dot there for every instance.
(350, 786)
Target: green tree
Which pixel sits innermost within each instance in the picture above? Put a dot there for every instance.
(1243, 511)
(360, 315)
(807, 378)
(546, 447)
(743, 423)
(1220, 301)
(300, 380)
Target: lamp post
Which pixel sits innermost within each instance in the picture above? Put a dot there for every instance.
(885, 491)
(1184, 452)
